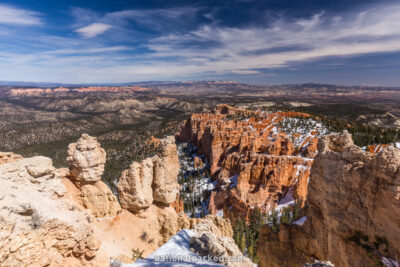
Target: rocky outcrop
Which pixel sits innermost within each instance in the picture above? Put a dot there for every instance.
(54, 243)
(38, 226)
(213, 237)
(252, 161)
(99, 199)
(153, 180)
(135, 186)
(6, 157)
(352, 213)
(86, 161)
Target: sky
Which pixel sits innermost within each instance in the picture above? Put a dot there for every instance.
(352, 42)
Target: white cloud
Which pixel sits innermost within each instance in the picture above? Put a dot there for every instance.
(93, 30)
(371, 31)
(230, 50)
(245, 72)
(15, 16)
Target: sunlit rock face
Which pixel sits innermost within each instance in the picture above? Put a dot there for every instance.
(151, 180)
(352, 213)
(38, 226)
(256, 157)
(86, 160)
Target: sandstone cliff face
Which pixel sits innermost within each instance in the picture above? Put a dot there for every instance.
(38, 226)
(152, 180)
(254, 162)
(352, 212)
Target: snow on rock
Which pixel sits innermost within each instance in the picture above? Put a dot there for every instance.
(175, 252)
(234, 181)
(300, 221)
(388, 262)
(220, 213)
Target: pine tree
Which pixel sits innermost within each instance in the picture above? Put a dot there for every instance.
(242, 244)
(250, 251)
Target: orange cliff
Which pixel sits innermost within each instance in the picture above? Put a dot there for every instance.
(253, 161)
(352, 211)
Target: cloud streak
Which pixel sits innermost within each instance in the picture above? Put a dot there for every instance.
(15, 16)
(92, 30)
(203, 51)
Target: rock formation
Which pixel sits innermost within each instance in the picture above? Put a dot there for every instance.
(213, 237)
(352, 213)
(153, 180)
(38, 226)
(86, 161)
(253, 161)
(48, 215)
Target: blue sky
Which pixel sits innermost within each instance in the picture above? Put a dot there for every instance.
(260, 42)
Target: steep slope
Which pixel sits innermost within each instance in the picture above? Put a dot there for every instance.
(352, 213)
(257, 158)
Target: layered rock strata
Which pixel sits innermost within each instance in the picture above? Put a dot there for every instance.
(352, 213)
(252, 160)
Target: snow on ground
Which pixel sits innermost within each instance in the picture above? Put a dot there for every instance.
(303, 127)
(285, 202)
(234, 181)
(388, 262)
(220, 213)
(300, 221)
(194, 187)
(174, 253)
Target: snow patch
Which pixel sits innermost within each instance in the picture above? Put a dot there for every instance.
(234, 181)
(300, 221)
(176, 252)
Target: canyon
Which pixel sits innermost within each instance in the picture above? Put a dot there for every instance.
(69, 217)
(254, 162)
(343, 201)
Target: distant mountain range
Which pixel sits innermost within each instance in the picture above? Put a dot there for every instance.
(184, 83)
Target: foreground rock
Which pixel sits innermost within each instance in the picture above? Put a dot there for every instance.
(213, 237)
(210, 243)
(352, 216)
(6, 157)
(153, 180)
(38, 226)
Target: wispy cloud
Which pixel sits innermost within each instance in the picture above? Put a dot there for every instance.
(202, 51)
(93, 30)
(16, 16)
(371, 31)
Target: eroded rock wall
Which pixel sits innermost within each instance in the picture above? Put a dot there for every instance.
(352, 212)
